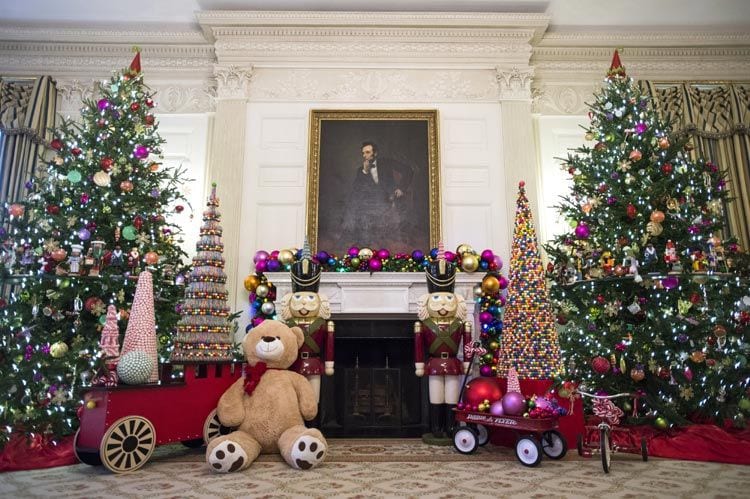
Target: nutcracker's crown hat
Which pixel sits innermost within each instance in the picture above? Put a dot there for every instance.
(440, 273)
(305, 272)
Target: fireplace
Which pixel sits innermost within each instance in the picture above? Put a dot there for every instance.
(374, 391)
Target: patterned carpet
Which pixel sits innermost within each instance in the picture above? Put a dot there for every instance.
(389, 468)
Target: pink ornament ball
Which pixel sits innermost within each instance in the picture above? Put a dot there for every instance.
(496, 409)
(502, 300)
(498, 262)
(582, 231)
(102, 104)
(383, 254)
(600, 365)
(503, 282)
(488, 255)
(485, 317)
(353, 252)
(374, 265)
(514, 404)
(450, 256)
(484, 388)
(485, 371)
(140, 151)
(274, 254)
(261, 265)
(260, 255)
(670, 282)
(542, 403)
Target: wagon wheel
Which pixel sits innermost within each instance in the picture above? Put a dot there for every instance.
(86, 456)
(213, 428)
(604, 447)
(644, 449)
(483, 435)
(128, 444)
(528, 451)
(465, 439)
(554, 445)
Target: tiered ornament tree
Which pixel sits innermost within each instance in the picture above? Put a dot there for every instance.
(95, 216)
(646, 288)
(529, 342)
(204, 331)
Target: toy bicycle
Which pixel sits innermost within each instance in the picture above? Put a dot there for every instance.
(609, 417)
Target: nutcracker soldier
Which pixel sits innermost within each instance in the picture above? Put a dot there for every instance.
(305, 308)
(440, 330)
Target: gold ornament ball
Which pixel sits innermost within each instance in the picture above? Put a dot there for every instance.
(151, 257)
(490, 285)
(637, 374)
(262, 290)
(661, 423)
(589, 136)
(365, 254)
(286, 257)
(478, 291)
(102, 179)
(586, 208)
(91, 404)
(697, 356)
(354, 262)
(563, 393)
(58, 349)
(464, 248)
(251, 282)
(654, 228)
(494, 345)
(469, 262)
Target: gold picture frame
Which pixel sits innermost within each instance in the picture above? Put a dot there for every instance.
(395, 205)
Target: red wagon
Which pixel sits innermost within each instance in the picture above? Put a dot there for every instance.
(533, 436)
(121, 426)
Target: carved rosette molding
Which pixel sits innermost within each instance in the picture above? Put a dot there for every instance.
(233, 82)
(562, 99)
(366, 85)
(169, 98)
(514, 83)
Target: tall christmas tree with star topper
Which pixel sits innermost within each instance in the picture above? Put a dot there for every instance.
(529, 342)
(96, 215)
(650, 298)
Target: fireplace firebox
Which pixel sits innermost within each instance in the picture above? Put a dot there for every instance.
(374, 391)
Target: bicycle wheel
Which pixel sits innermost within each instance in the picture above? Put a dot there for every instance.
(605, 449)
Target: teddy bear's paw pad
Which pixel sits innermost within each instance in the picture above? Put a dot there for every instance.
(308, 452)
(227, 457)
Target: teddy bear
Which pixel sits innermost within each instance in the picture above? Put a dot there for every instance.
(268, 406)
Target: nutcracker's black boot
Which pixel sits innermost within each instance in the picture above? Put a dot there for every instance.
(436, 420)
(450, 419)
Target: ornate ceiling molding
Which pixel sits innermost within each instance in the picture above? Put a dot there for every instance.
(100, 33)
(631, 38)
(389, 39)
(198, 97)
(366, 85)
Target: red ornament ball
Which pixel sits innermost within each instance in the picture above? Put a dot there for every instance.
(149, 119)
(56, 144)
(179, 208)
(76, 151)
(600, 365)
(106, 163)
(480, 389)
(53, 209)
(631, 211)
(135, 106)
(91, 302)
(666, 168)
(149, 103)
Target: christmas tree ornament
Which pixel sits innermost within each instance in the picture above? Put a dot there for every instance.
(58, 349)
(365, 254)
(129, 232)
(74, 176)
(135, 368)
(126, 186)
(102, 179)
(663, 143)
(469, 262)
(463, 248)
(140, 335)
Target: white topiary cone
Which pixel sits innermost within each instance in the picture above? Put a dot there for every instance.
(141, 332)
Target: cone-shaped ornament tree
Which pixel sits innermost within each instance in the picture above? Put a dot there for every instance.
(140, 335)
(203, 333)
(529, 341)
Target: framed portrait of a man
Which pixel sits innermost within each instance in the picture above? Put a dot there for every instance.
(373, 180)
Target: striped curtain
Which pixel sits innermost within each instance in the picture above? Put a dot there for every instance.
(716, 117)
(27, 112)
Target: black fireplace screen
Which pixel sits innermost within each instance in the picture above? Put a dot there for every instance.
(373, 391)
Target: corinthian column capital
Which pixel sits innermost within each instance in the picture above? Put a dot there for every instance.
(233, 82)
(514, 83)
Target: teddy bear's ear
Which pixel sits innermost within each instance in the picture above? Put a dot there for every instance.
(299, 335)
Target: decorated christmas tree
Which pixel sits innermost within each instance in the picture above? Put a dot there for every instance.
(203, 333)
(95, 216)
(529, 342)
(649, 295)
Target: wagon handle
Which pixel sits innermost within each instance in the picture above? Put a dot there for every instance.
(475, 344)
(617, 395)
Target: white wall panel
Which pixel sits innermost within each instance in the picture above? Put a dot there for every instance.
(557, 136)
(186, 146)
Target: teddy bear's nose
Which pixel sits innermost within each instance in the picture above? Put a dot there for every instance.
(269, 339)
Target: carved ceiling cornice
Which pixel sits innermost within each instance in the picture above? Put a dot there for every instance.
(101, 33)
(645, 38)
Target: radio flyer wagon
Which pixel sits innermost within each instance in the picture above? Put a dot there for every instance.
(534, 436)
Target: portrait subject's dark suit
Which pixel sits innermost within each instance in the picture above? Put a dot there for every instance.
(373, 213)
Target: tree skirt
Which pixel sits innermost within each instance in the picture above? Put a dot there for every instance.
(36, 452)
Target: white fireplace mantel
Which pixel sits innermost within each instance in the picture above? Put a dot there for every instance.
(377, 295)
